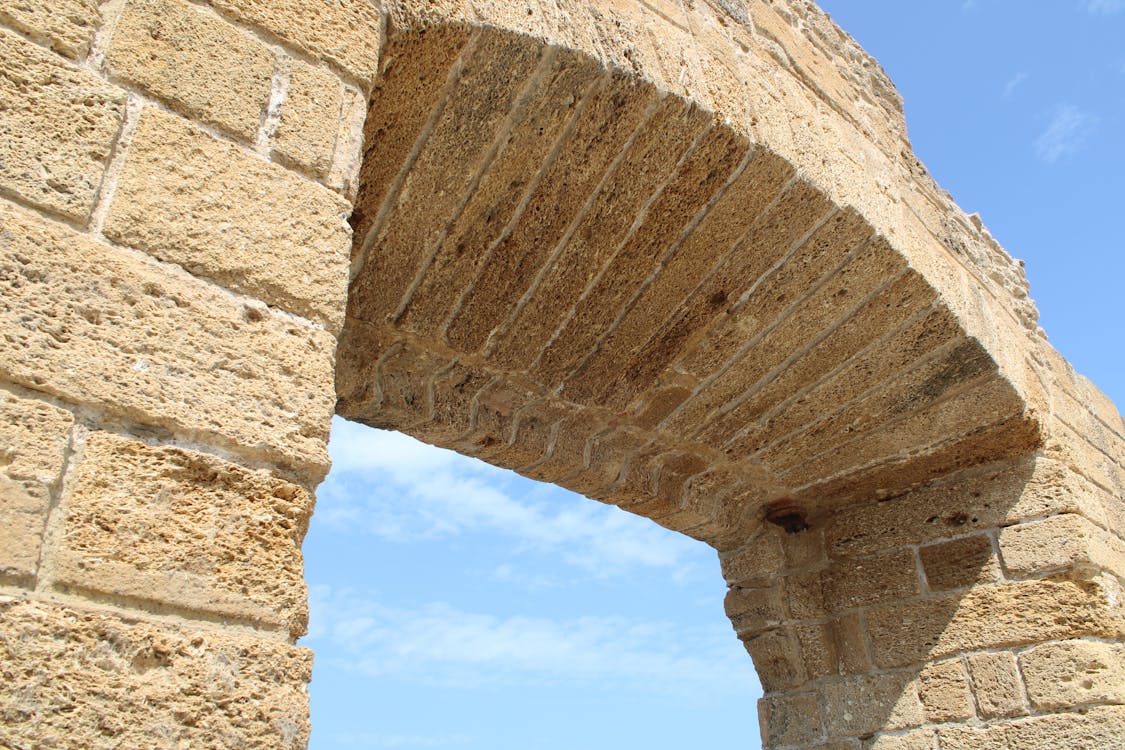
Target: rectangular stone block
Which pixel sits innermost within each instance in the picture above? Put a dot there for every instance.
(847, 584)
(1061, 675)
(1060, 542)
(997, 686)
(857, 706)
(104, 327)
(346, 32)
(922, 739)
(187, 530)
(777, 660)
(66, 26)
(309, 120)
(33, 440)
(78, 679)
(944, 690)
(753, 610)
(996, 616)
(760, 559)
(959, 563)
(195, 62)
(1101, 727)
(222, 213)
(58, 124)
(836, 647)
(790, 719)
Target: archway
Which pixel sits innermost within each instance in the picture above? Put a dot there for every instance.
(679, 259)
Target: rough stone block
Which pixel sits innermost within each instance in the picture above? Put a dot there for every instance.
(777, 659)
(67, 26)
(1101, 727)
(857, 706)
(345, 32)
(310, 118)
(994, 617)
(33, 438)
(922, 739)
(790, 719)
(848, 584)
(195, 62)
(224, 214)
(1061, 675)
(58, 124)
(1060, 542)
(753, 610)
(944, 690)
(760, 559)
(82, 679)
(187, 530)
(960, 563)
(996, 685)
(836, 647)
(100, 326)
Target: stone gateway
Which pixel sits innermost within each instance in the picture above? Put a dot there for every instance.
(675, 255)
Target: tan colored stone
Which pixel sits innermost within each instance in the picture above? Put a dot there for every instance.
(777, 659)
(100, 326)
(997, 686)
(753, 610)
(1101, 727)
(195, 62)
(790, 719)
(310, 117)
(187, 198)
(33, 441)
(1060, 542)
(1060, 675)
(762, 558)
(922, 739)
(848, 584)
(959, 563)
(994, 617)
(65, 25)
(81, 679)
(58, 124)
(856, 706)
(187, 530)
(944, 690)
(345, 32)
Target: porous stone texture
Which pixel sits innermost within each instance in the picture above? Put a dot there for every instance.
(224, 214)
(185, 530)
(58, 124)
(33, 443)
(65, 25)
(1059, 675)
(309, 120)
(95, 325)
(195, 62)
(75, 678)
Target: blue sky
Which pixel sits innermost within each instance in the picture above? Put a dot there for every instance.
(455, 605)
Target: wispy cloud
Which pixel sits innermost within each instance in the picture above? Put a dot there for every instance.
(440, 645)
(391, 486)
(1066, 133)
(1014, 83)
(1104, 7)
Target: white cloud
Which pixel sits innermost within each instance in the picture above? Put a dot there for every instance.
(1105, 7)
(1014, 83)
(393, 487)
(437, 644)
(1065, 135)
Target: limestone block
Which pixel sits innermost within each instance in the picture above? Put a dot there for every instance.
(345, 32)
(223, 214)
(760, 559)
(959, 563)
(195, 62)
(33, 437)
(100, 326)
(310, 118)
(75, 679)
(1099, 727)
(57, 128)
(753, 610)
(1060, 542)
(185, 529)
(855, 706)
(1060, 675)
(835, 647)
(996, 685)
(922, 739)
(944, 690)
(790, 719)
(67, 26)
(849, 584)
(995, 616)
(777, 660)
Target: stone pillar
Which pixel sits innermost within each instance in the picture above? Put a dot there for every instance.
(174, 184)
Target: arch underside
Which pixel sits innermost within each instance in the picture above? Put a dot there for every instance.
(567, 271)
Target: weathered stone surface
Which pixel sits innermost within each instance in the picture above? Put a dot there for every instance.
(997, 686)
(96, 325)
(1059, 675)
(195, 62)
(836, 647)
(853, 583)
(344, 32)
(310, 116)
(944, 690)
(855, 706)
(223, 214)
(187, 530)
(58, 124)
(33, 441)
(65, 25)
(790, 719)
(1098, 727)
(84, 679)
(959, 563)
(1059, 542)
(922, 739)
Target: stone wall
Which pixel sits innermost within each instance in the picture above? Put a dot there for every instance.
(675, 256)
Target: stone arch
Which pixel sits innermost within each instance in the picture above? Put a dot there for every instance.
(675, 256)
